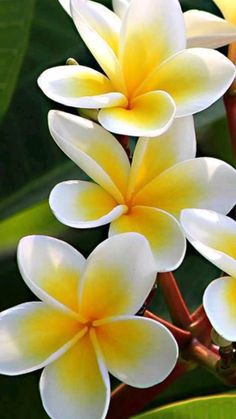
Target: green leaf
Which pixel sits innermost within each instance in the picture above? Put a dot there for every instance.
(217, 407)
(15, 21)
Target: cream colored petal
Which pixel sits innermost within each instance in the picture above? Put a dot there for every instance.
(93, 149)
(52, 269)
(207, 30)
(228, 8)
(138, 351)
(83, 204)
(154, 155)
(199, 183)
(120, 7)
(213, 235)
(80, 87)
(149, 115)
(66, 5)
(99, 27)
(195, 78)
(146, 38)
(119, 275)
(219, 303)
(76, 385)
(32, 335)
(161, 230)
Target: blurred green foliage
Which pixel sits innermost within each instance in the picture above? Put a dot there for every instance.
(38, 34)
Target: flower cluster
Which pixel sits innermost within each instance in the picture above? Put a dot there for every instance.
(159, 68)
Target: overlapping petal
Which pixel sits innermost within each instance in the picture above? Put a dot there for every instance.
(84, 204)
(161, 230)
(213, 235)
(149, 114)
(93, 149)
(32, 335)
(146, 38)
(99, 28)
(79, 86)
(219, 304)
(119, 275)
(154, 155)
(228, 9)
(199, 183)
(207, 30)
(120, 7)
(146, 358)
(52, 270)
(195, 78)
(76, 384)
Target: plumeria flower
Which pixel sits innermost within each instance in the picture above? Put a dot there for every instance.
(214, 236)
(85, 324)
(203, 29)
(150, 77)
(145, 197)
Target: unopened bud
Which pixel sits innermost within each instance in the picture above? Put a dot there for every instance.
(219, 340)
(71, 61)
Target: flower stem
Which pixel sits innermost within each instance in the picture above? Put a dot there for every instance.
(230, 101)
(124, 141)
(232, 57)
(174, 300)
(182, 337)
(127, 401)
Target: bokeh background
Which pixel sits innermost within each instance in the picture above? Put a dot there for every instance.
(35, 35)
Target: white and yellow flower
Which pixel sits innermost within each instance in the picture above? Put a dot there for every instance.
(85, 324)
(214, 236)
(203, 29)
(150, 77)
(145, 197)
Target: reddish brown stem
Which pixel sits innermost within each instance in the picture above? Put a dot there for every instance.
(174, 300)
(201, 328)
(127, 401)
(182, 337)
(197, 313)
(202, 355)
(124, 141)
(230, 106)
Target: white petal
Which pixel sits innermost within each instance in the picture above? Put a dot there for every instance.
(80, 87)
(119, 275)
(81, 204)
(120, 7)
(52, 270)
(76, 385)
(219, 303)
(138, 351)
(213, 235)
(163, 232)
(207, 30)
(66, 5)
(32, 335)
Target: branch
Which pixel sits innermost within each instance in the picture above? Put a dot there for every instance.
(127, 401)
(174, 300)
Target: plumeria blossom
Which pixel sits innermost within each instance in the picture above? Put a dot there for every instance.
(203, 29)
(85, 324)
(150, 77)
(147, 196)
(214, 236)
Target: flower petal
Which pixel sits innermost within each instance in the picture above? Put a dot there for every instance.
(228, 8)
(120, 7)
(213, 235)
(33, 335)
(80, 87)
(199, 183)
(93, 149)
(146, 38)
(76, 385)
(149, 115)
(161, 230)
(207, 30)
(52, 269)
(99, 27)
(138, 351)
(119, 275)
(154, 155)
(195, 78)
(219, 304)
(66, 5)
(83, 204)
